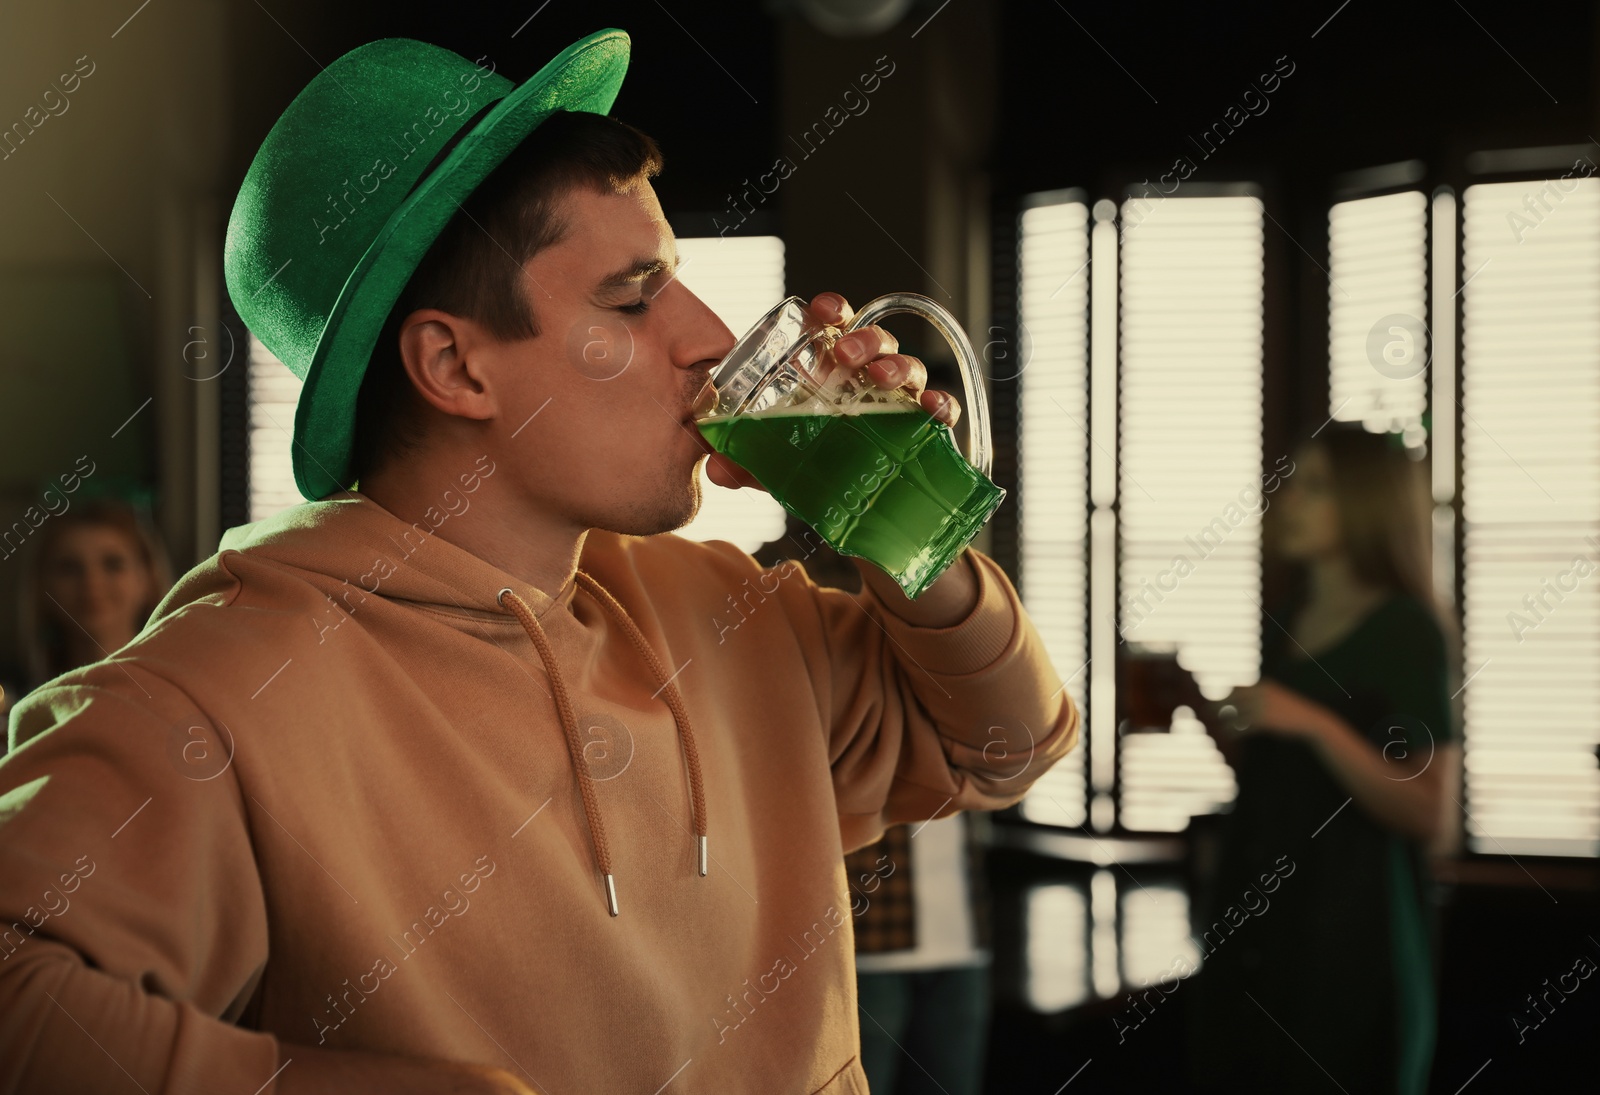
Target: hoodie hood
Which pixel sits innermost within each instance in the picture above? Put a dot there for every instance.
(353, 543)
(352, 547)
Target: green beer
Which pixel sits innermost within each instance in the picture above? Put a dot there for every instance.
(885, 483)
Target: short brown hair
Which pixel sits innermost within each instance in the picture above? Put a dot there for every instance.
(474, 269)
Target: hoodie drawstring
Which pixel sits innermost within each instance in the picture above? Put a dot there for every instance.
(508, 598)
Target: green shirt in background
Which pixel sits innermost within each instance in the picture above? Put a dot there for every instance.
(1330, 947)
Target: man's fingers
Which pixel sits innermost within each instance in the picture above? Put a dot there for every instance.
(863, 345)
(943, 406)
(899, 370)
(886, 367)
(832, 309)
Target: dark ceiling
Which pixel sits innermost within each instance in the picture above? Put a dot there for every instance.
(1113, 88)
(1091, 94)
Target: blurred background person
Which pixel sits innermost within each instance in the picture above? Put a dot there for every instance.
(1318, 912)
(96, 573)
(922, 961)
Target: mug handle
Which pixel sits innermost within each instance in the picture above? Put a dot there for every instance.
(979, 454)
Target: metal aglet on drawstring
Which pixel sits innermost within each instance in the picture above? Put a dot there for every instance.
(508, 599)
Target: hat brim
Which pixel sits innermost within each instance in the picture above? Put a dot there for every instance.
(585, 76)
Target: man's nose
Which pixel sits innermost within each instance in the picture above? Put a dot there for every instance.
(702, 337)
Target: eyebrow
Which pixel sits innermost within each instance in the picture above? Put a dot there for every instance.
(639, 270)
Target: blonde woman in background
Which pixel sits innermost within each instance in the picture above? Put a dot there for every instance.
(1317, 934)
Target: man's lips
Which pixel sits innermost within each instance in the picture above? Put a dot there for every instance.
(693, 427)
(699, 403)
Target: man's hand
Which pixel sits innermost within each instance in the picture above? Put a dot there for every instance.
(885, 366)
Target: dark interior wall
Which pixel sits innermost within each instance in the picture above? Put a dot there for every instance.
(700, 81)
(890, 138)
(1376, 84)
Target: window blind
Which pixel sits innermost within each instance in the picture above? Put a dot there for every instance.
(1378, 344)
(1053, 291)
(1189, 487)
(1530, 486)
(273, 391)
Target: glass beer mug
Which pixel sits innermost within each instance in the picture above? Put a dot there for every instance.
(871, 471)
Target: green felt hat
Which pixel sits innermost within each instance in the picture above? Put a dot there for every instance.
(351, 187)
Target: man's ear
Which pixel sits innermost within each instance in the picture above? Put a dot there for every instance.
(443, 357)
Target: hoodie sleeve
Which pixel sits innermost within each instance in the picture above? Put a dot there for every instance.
(132, 919)
(925, 722)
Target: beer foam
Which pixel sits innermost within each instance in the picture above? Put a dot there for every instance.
(816, 407)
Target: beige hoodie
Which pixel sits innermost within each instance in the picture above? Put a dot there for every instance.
(341, 792)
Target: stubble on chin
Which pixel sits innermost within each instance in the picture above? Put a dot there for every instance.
(674, 507)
